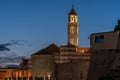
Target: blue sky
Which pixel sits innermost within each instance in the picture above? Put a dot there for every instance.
(41, 22)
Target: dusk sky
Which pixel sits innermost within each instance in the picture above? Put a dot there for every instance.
(30, 25)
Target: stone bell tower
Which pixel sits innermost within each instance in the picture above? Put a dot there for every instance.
(72, 28)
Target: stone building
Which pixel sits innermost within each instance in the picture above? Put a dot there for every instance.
(105, 56)
(67, 62)
(43, 63)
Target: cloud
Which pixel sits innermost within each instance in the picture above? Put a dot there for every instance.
(8, 54)
(4, 47)
(19, 42)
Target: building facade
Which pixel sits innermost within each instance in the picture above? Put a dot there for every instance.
(43, 63)
(17, 73)
(105, 56)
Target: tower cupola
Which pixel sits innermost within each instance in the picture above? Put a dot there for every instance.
(72, 12)
(72, 16)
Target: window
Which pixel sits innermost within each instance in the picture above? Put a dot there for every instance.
(72, 41)
(99, 39)
(96, 39)
(72, 29)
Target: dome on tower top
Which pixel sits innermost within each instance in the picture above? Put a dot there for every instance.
(72, 12)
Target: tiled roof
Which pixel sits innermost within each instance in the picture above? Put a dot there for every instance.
(48, 50)
(72, 12)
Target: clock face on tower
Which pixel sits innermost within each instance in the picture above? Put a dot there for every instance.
(72, 29)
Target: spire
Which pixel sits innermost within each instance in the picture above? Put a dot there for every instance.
(72, 6)
(72, 12)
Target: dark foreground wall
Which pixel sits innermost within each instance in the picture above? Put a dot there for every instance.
(101, 62)
(72, 71)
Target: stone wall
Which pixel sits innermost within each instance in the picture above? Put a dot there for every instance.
(101, 62)
(75, 70)
(43, 65)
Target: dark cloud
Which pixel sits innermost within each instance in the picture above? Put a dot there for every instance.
(19, 42)
(4, 47)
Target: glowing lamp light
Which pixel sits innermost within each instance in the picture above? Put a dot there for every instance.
(82, 51)
(49, 76)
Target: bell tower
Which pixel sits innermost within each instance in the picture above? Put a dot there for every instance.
(72, 28)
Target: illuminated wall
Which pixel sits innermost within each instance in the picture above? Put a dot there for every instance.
(43, 66)
(6, 73)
